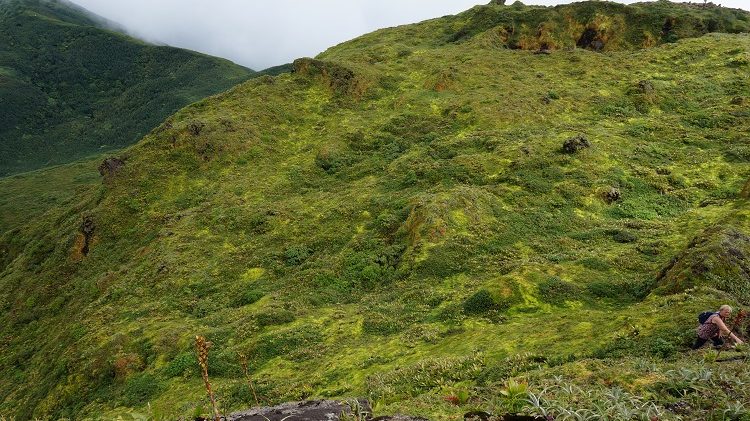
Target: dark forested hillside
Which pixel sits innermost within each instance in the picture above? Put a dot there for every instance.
(71, 85)
(514, 209)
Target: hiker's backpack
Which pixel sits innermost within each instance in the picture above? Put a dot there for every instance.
(704, 316)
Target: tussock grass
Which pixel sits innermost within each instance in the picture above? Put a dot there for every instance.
(339, 237)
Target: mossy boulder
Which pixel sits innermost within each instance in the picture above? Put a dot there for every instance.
(110, 166)
(576, 144)
(718, 258)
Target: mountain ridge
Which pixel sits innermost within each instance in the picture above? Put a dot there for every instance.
(406, 218)
(74, 84)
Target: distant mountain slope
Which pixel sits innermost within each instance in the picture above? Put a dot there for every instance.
(600, 26)
(412, 217)
(61, 10)
(71, 86)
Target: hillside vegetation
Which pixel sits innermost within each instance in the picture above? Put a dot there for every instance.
(71, 85)
(438, 216)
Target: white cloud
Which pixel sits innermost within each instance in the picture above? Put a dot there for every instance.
(260, 34)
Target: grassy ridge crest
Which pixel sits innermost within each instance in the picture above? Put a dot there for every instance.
(407, 218)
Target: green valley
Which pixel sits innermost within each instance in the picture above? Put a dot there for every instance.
(72, 84)
(513, 209)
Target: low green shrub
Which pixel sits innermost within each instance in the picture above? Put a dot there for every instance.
(140, 388)
(328, 287)
(246, 297)
(283, 342)
(446, 260)
(623, 236)
(501, 370)
(184, 364)
(274, 316)
(556, 291)
(621, 346)
(377, 323)
(332, 159)
(480, 302)
(660, 347)
(619, 290)
(595, 263)
(372, 265)
(423, 376)
(295, 255)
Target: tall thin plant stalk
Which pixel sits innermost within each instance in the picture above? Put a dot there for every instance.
(243, 362)
(201, 346)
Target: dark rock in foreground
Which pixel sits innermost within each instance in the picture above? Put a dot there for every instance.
(359, 409)
(322, 410)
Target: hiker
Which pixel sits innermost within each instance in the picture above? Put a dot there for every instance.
(713, 328)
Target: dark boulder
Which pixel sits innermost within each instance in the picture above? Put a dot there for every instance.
(591, 38)
(485, 416)
(109, 167)
(196, 127)
(477, 416)
(321, 410)
(612, 195)
(575, 144)
(645, 87)
(643, 95)
(668, 26)
(87, 231)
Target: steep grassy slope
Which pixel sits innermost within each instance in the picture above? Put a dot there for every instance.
(400, 219)
(71, 87)
(26, 197)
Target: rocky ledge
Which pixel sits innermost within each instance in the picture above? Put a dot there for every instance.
(353, 409)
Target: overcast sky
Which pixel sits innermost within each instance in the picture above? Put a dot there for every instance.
(264, 33)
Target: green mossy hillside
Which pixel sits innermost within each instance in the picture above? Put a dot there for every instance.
(718, 257)
(71, 86)
(599, 26)
(406, 229)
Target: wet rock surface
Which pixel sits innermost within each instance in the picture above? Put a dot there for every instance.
(477, 416)
(319, 410)
(485, 416)
(333, 410)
